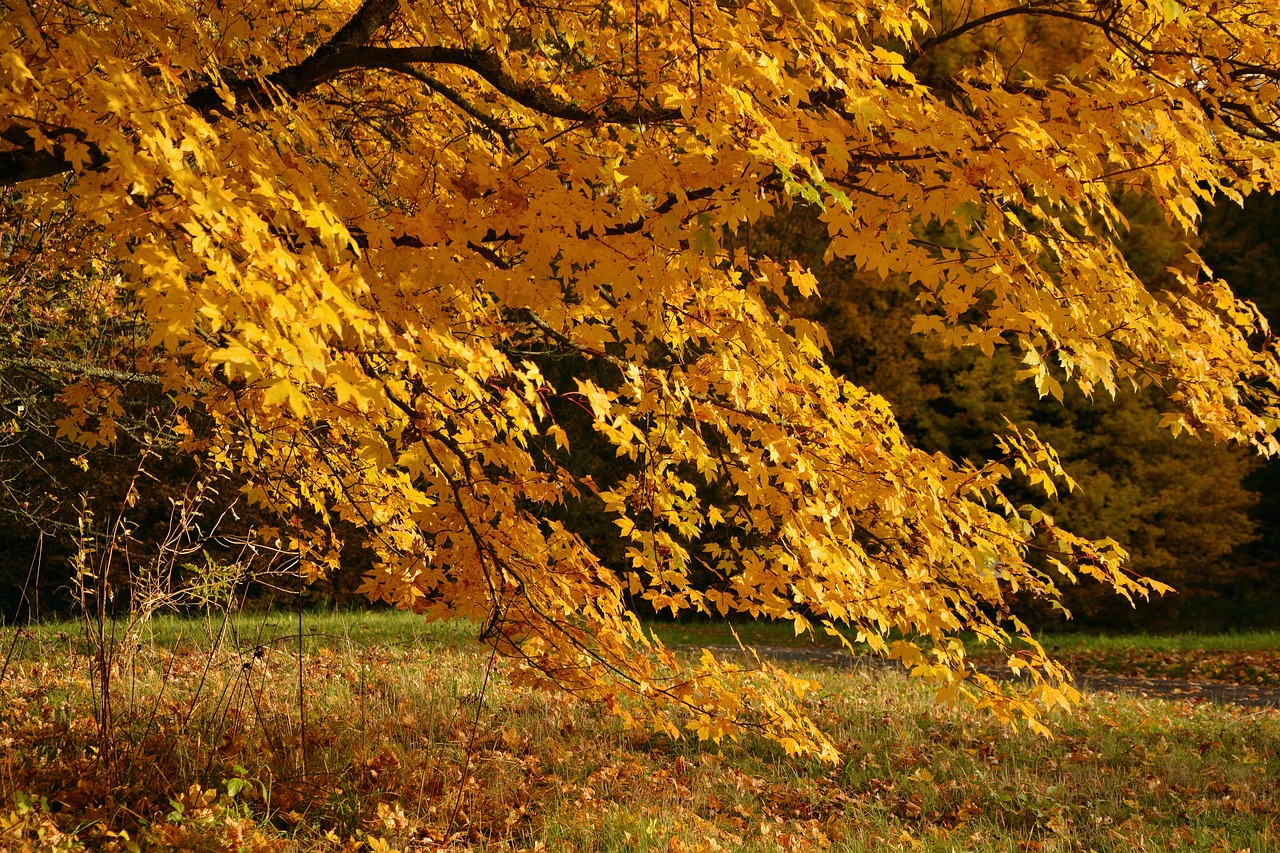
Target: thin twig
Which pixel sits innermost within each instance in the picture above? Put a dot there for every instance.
(475, 725)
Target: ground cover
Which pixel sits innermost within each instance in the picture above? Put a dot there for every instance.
(392, 738)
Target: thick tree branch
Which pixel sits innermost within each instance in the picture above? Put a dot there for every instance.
(297, 80)
(48, 365)
(26, 163)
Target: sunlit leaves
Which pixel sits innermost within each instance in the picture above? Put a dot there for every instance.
(395, 253)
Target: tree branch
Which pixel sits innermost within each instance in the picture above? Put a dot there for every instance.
(48, 365)
(490, 123)
(1037, 8)
(347, 51)
(25, 163)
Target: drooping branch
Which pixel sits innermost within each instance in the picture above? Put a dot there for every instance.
(532, 96)
(346, 52)
(490, 123)
(1241, 117)
(1035, 8)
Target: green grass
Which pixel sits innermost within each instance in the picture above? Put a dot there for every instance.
(755, 633)
(210, 748)
(391, 627)
(333, 630)
(1247, 641)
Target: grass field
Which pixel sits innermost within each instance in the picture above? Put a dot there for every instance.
(388, 739)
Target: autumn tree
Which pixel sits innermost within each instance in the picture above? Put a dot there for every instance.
(357, 235)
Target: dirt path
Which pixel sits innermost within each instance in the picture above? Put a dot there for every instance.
(1160, 688)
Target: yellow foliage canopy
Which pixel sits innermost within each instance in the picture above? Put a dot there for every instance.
(357, 232)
